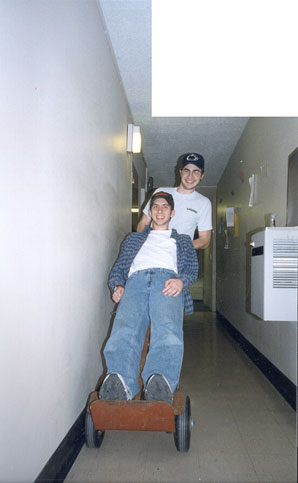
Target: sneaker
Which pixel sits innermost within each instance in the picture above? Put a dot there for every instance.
(158, 389)
(114, 388)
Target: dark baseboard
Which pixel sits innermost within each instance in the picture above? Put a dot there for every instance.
(62, 460)
(286, 387)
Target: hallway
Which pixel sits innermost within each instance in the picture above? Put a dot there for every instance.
(244, 430)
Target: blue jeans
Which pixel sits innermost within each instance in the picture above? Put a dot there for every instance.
(142, 301)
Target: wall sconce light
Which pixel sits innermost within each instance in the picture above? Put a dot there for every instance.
(134, 140)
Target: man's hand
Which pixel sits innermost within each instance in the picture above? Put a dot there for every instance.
(118, 292)
(144, 221)
(173, 287)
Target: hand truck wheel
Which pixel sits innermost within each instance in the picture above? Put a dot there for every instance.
(93, 438)
(183, 426)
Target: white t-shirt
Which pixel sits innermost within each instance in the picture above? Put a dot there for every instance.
(158, 251)
(191, 211)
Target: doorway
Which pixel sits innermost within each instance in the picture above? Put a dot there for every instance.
(292, 204)
(204, 289)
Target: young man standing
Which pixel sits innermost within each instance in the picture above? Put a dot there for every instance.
(150, 280)
(193, 210)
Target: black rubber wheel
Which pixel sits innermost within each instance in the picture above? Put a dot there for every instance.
(183, 428)
(93, 438)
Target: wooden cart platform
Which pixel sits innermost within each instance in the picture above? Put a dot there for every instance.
(135, 415)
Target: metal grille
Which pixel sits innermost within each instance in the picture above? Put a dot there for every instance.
(285, 263)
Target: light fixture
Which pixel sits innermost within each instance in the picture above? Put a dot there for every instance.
(133, 139)
(135, 210)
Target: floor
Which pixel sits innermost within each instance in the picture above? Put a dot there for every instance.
(244, 430)
(197, 289)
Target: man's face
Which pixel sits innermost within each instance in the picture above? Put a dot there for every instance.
(191, 176)
(161, 213)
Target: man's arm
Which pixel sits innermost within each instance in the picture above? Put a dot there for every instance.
(203, 240)
(144, 221)
(188, 273)
(118, 274)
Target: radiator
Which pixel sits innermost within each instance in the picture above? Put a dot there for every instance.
(274, 273)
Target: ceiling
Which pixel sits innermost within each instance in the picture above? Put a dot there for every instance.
(164, 139)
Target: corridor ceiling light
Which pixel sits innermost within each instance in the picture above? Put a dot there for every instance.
(135, 210)
(134, 140)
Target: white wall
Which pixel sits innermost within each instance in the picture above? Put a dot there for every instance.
(266, 142)
(65, 199)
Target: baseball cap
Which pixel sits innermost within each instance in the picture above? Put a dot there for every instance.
(193, 158)
(162, 194)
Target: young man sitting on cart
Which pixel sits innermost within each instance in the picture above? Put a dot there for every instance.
(150, 279)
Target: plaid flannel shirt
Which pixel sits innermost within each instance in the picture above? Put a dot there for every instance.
(187, 262)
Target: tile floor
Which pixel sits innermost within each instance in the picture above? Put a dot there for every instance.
(244, 430)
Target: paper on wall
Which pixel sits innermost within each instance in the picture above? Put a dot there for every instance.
(230, 216)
